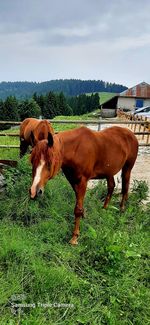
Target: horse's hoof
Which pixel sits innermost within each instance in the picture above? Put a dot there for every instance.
(73, 241)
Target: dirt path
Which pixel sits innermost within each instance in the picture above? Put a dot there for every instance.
(141, 169)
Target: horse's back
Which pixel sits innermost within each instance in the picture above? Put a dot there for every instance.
(100, 153)
(120, 137)
(116, 147)
(107, 138)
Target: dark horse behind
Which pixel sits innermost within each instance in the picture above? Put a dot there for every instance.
(83, 155)
(31, 131)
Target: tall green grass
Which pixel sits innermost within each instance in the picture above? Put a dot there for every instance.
(104, 280)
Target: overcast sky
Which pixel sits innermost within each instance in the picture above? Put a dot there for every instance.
(42, 40)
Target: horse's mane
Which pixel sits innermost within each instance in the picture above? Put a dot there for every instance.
(41, 150)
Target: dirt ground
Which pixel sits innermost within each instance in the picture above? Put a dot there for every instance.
(141, 169)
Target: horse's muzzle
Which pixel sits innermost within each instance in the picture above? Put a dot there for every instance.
(36, 193)
(39, 192)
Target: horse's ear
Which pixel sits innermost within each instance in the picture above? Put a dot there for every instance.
(50, 139)
(32, 139)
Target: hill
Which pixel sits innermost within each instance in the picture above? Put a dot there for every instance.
(104, 96)
(70, 87)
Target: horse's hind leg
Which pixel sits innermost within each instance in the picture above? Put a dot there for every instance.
(110, 186)
(126, 172)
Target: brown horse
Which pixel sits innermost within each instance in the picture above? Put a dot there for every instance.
(83, 155)
(31, 131)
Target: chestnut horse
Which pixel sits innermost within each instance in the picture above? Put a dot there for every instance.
(31, 131)
(83, 155)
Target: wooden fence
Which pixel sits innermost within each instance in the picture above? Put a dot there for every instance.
(139, 127)
(139, 123)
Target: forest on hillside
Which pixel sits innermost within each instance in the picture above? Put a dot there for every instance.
(48, 106)
(70, 87)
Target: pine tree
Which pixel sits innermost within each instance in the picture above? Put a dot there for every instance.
(11, 109)
(50, 107)
(29, 108)
(64, 107)
(2, 115)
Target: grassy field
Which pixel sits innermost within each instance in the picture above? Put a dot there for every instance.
(104, 96)
(104, 280)
(43, 280)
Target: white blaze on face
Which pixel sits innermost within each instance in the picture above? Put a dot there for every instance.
(37, 178)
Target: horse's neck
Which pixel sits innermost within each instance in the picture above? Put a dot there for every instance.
(58, 154)
(66, 148)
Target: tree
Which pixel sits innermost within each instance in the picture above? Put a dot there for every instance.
(11, 109)
(51, 106)
(96, 100)
(41, 102)
(68, 110)
(84, 103)
(2, 115)
(64, 108)
(62, 103)
(29, 108)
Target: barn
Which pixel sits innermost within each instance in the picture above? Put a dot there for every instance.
(137, 96)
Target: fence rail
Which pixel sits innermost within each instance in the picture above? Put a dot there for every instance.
(129, 121)
(17, 134)
(83, 122)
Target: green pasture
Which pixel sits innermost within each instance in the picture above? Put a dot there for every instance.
(104, 96)
(44, 280)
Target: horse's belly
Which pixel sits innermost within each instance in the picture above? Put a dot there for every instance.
(108, 169)
(98, 176)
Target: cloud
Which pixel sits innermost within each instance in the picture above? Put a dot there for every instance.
(73, 21)
(67, 38)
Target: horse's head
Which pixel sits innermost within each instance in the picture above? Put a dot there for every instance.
(41, 132)
(43, 165)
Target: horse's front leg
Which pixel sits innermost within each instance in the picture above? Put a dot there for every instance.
(23, 147)
(80, 190)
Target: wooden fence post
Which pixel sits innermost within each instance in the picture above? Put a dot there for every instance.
(135, 119)
(99, 126)
(144, 127)
(132, 120)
